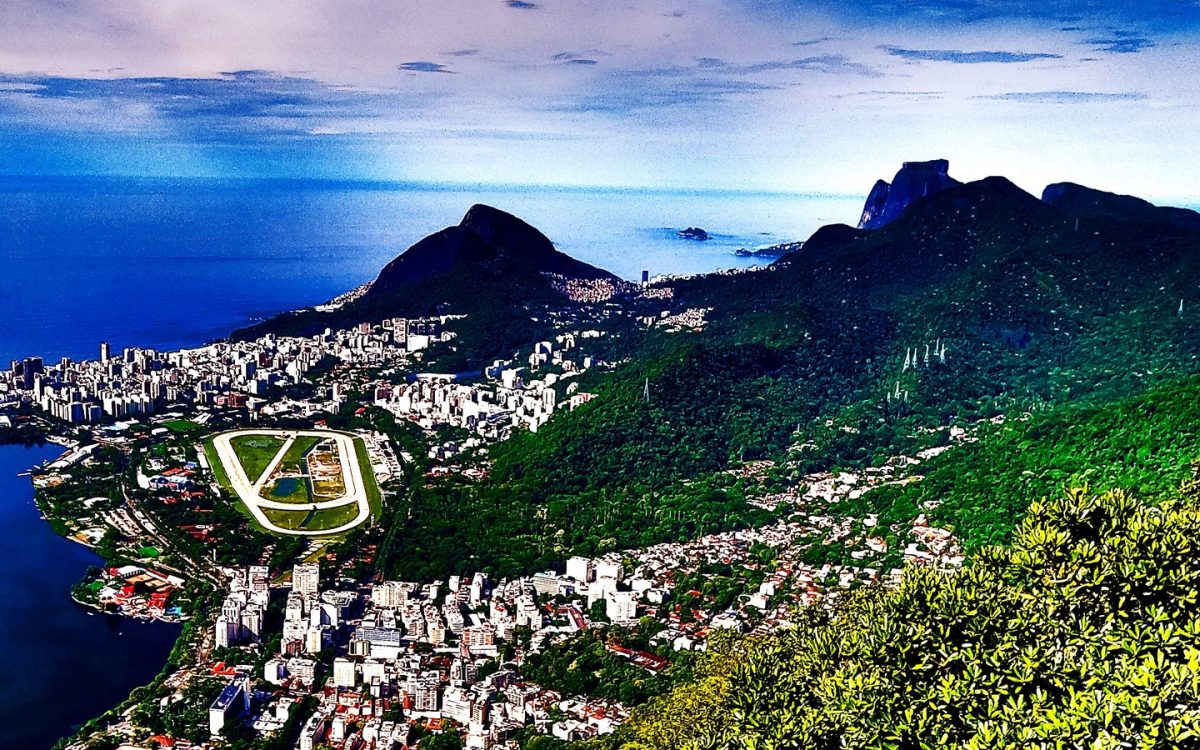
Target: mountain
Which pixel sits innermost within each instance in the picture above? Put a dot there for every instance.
(485, 237)
(493, 267)
(978, 301)
(1087, 203)
(916, 179)
(977, 306)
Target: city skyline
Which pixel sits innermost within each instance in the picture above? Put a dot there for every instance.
(803, 96)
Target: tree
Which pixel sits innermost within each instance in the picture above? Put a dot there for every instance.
(447, 740)
(1082, 634)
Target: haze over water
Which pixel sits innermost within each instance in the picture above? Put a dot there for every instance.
(173, 263)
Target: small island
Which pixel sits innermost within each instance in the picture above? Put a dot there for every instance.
(770, 251)
(694, 233)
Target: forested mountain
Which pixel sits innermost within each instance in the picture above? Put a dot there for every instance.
(980, 300)
(492, 267)
(996, 301)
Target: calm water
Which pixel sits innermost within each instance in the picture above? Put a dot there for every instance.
(62, 665)
(166, 263)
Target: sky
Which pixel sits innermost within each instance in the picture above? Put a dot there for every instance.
(800, 96)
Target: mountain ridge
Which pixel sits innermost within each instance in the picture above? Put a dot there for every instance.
(483, 236)
(492, 267)
(1085, 202)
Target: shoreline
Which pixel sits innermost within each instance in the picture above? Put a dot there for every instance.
(112, 657)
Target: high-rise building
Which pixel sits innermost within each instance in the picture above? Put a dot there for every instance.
(306, 578)
(233, 701)
(105, 351)
(609, 569)
(312, 732)
(345, 673)
(580, 568)
(424, 691)
(275, 671)
(621, 606)
(227, 632)
(256, 578)
(314, 639)
(457, 704)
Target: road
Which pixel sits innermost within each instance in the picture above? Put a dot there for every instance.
(250, 492)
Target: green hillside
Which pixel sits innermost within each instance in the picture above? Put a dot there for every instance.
(1082, 634)
(805, 363)
(1143, 443)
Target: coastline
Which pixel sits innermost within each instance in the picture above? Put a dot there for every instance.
(95, 608)
(70, 664)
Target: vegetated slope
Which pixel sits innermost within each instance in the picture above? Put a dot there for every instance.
(1030, 312)
(1083, 634)
(1143, 443)
(492, 267)
(805, 361)
(1078, 200)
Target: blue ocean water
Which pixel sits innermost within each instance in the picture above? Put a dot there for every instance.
(170, 263)
(63, 664)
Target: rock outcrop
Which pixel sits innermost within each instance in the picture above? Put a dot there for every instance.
(916, 179)
(1084, 202)
(693, 233)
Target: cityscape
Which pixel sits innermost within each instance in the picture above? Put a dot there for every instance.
(560, 375)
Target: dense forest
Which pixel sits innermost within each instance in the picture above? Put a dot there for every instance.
(1142, 443)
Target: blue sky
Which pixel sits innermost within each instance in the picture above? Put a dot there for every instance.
(710, 94)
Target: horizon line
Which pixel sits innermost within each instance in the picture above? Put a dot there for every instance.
(442, 185)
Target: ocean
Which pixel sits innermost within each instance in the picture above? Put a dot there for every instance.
(171, 263)
(175, 263)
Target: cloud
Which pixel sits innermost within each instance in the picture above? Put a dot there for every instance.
(684, 97)
(20, 86)
(1121, 43)
(574, 58)
(658, 87)
(1165, 15)
(832, 64)
(963, 57)
(1065, 97)
(877, 94)
(423, 66)
(243, 105)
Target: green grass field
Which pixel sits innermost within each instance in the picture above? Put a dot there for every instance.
(287, 519)
(222, 477)
(256, 452)
(320, 520)
(374, 494)
(214, 463)
(293, 460)
(183, 426)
